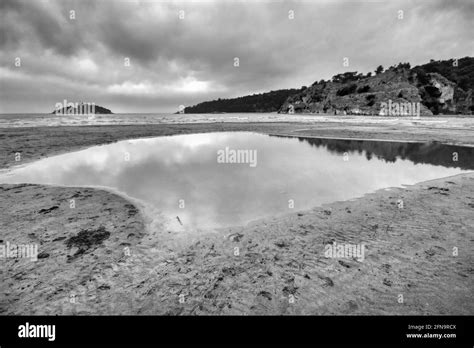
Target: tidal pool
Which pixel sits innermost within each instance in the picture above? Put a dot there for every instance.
(223, 179)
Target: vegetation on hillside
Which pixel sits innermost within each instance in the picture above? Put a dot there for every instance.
(264, 102)
(461, 71)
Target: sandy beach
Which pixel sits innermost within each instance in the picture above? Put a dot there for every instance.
(100, 257)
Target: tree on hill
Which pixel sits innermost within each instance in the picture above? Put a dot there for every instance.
(346, 77)
(379, 70)
(403, 66)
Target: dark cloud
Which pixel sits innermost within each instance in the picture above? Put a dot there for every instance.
(183, 61)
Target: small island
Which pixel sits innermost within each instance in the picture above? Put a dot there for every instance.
(80, 108)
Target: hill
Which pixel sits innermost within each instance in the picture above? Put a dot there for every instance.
(264, 102)
(438, 87)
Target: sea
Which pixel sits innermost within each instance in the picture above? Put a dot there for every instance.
(51, 120)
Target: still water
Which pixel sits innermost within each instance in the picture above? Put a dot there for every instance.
(197, 178)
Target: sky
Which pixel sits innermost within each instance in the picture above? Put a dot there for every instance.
(153, 56)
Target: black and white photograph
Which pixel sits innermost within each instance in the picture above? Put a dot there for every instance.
(237, 158)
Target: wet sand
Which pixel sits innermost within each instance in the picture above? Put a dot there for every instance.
(99, 257)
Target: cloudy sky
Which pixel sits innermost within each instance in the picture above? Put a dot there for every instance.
(183, 52)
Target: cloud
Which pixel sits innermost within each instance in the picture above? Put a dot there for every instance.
(173, 61)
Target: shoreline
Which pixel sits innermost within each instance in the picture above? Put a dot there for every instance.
(371, 139)
(280, 257)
